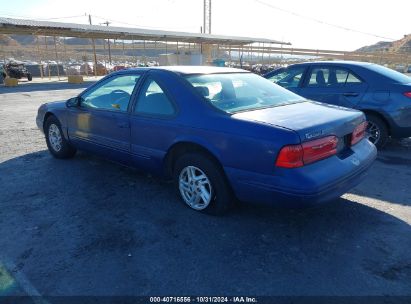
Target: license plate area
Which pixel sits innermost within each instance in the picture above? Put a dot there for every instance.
(343, 146)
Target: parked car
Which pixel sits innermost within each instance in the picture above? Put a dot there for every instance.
(217, 132)
(16, 70)
(400, 68)
(73, 69)
(384, 95)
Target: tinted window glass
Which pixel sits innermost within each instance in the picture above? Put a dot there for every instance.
(288, 78)
(352, 79)
(236, 92)
(153, 88)
(112, 95)
(340, 77)
(331, 77)
(153, 100)
(319, 77)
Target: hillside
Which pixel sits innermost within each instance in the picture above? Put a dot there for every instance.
(400, 46)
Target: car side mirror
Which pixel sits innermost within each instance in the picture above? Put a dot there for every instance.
(73, 102)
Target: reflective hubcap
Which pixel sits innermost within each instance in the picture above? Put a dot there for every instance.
(373, 132)
(195, 187)
(55, 138)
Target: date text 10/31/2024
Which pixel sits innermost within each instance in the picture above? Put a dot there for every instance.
(237, 299)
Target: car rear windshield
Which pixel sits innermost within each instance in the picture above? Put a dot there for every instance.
(391, 74)
(235, 92)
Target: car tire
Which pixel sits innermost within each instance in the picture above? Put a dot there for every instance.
(29, 77)
(57, 144)
(377, 131)
(208, 178)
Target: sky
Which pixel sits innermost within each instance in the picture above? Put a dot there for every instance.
(316, 24)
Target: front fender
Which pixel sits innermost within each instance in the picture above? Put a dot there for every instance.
(46, 111)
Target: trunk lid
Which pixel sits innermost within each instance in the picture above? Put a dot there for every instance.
(309, 119)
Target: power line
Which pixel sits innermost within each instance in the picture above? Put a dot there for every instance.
(98, 17)
(39, 18)
(320, 21)
(56, 18)
(136, 25)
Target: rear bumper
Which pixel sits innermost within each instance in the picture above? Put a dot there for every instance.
(314, 184)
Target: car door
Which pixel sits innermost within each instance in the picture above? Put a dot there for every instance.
(101, 121)
(290, 78)
(334, 85)
(153, 126)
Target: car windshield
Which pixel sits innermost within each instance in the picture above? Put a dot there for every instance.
(389, 73)
(235, 92)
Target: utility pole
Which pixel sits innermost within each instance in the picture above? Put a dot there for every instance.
(108, 40)
(94, 50)
(207, 17)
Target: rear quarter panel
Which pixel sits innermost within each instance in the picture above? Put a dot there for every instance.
(237, 144)
(242, 145)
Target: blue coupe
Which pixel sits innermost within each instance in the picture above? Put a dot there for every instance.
(219, 133)
(384, 95)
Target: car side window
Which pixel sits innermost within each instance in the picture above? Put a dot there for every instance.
(319, 77)
(153, 101)
(331, 77)
(352, 79)
(211, 90)
(288, 78)
(114, 94)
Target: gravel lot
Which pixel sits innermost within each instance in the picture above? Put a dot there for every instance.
(90, 227)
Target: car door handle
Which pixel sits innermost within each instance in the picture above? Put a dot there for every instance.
(123, 125)
(351, 94)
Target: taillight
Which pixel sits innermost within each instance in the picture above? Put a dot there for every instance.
(319, 149)
(359, 133)
(407, 94)
(290, 157)
(294, 156)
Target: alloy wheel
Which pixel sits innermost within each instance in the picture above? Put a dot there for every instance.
(373, 132)
(195, 187)
(55, 138)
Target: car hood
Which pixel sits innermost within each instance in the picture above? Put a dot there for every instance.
(309, 119)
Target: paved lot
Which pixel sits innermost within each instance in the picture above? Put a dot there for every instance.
(90, 227)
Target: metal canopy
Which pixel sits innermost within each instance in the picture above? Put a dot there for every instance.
(45, 28)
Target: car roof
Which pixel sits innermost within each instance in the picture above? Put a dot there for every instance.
(187, 70)
(335, 62)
